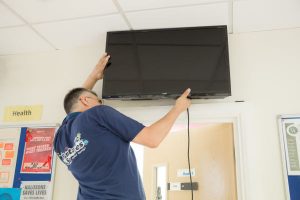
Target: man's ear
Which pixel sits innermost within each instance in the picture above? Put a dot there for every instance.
(83, 101)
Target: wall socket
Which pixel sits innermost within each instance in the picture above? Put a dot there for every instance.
(177, 186)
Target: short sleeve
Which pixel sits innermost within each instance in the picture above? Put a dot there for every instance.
(119, 124)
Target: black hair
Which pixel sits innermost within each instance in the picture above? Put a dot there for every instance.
(72, 97)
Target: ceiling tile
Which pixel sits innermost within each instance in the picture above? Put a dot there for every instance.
(80, 32)
(46, 10)
(204, 15)
(21, 40)
(130, 5)
(266, 15)
(7, 18)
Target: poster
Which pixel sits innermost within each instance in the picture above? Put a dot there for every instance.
(35, 190)
(10, 193)
(292, 143)
(38, 150)
(9, 143)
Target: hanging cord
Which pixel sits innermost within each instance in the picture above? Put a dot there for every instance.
(191, 181)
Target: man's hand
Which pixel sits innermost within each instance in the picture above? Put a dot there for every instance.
(182, 103)
(97, 72)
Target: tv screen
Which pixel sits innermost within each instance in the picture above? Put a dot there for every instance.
(162, 63)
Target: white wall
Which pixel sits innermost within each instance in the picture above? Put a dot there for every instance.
(265, 67)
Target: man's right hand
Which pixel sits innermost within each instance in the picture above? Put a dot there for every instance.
(182, 103)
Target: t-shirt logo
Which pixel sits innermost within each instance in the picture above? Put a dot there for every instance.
(71, 153)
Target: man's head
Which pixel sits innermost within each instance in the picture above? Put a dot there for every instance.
(80, 99)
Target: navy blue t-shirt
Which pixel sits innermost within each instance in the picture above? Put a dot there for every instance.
(95, 145)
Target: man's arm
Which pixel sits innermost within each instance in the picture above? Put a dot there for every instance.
(97, 72)
(153, 135)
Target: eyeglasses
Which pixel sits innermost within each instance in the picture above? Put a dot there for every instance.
(97, 99)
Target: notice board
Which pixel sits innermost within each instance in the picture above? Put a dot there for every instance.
(27, 162)
(289, 130)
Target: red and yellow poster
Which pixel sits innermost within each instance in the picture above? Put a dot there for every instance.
(38, 148)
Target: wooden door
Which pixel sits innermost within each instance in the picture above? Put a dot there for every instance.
(211, 154)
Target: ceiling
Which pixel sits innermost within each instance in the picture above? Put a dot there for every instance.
(28, 26)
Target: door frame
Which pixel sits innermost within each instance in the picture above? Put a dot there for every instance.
(232, 112)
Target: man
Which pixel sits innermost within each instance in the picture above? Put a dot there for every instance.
(94, 142)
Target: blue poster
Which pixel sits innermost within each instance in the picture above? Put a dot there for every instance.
(290, 144)
(10, 193)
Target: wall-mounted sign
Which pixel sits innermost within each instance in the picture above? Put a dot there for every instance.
(38, 150)
(10, 193)
(290, 147)
(23, 113)
(32, 190)
(9, 144)
(185, 172)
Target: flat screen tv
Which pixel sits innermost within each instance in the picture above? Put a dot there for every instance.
(162, 63)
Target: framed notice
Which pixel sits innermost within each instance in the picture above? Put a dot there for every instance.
(38, 150)
(27, 161)
(289, 129)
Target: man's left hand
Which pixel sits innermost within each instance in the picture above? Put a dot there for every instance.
(98, 71)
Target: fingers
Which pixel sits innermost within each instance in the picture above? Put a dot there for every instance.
(186, 92)
(182, 103)
(104, 59)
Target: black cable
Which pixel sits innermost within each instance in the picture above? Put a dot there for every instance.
(191, 181)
